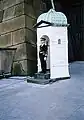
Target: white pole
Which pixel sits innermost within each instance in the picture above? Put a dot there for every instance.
(53, 6)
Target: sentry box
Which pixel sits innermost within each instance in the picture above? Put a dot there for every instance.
(53, 27)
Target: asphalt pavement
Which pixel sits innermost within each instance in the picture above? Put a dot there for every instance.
(62, 100)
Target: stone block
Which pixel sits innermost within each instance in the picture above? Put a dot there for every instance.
(31, 67)
(9, 13)
(29, 10)
(31, 36)
(18, 36)
(11, 25)
(30, 2)
(24, 67)
(19, 1)
(21, 53)
(29, 22)
(31, 52)
(36, 4)
(19, 9)
(5, 40)
(13, 11)
(1, 5)
(9, 3)
(1, 15)
(20, 68)
(6, 60)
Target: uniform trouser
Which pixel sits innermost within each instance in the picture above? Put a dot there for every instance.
(43, 63)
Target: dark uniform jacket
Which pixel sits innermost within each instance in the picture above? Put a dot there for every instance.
(43, 49)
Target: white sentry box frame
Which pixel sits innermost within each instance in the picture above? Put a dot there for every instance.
(58, 52)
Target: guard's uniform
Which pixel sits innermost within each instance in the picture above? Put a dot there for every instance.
(42, 55)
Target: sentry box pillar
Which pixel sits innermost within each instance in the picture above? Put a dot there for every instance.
(53, 27)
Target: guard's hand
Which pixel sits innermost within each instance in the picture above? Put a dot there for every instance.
(45, 58)
(46, 55)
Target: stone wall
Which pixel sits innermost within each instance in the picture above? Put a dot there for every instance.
(17, 18)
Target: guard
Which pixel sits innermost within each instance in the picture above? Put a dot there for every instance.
(43, 54)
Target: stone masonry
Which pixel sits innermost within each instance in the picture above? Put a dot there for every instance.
(17, 18)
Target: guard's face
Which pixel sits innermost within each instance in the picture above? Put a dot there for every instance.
(42, 42)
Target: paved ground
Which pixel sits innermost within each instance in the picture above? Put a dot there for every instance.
(63, 100)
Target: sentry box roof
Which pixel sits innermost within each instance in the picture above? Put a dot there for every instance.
(52, 18)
